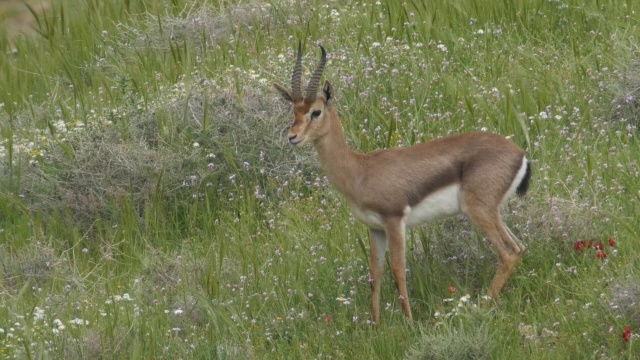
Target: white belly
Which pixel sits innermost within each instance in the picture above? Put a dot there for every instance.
(442, 203)
(370, 218)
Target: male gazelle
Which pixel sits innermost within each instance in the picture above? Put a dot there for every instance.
(390, 189)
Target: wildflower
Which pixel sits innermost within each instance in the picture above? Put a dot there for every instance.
(452, 289)
(598, 246)
(38, 314)
(345, 301)
(327, 319)
(601, 254)
(583, 244)
(78, 321)
(612, 241)
(626, 335)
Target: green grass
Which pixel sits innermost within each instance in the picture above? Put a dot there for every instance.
(151, 208)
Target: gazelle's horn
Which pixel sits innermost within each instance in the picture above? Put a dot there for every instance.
(296, 78)
(312, 88)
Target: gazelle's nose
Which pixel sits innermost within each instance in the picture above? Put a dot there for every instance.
(292, 138)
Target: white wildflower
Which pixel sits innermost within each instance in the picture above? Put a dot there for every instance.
(78, 321)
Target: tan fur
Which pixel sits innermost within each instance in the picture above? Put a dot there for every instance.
(388, 182)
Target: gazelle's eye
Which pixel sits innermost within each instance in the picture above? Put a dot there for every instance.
(315, 114)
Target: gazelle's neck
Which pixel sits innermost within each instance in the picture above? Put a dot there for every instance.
(338, 161)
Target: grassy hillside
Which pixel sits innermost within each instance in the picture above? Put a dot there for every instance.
(150, 206)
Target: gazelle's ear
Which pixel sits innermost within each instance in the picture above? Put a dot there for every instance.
(286, 94)
(327, 89)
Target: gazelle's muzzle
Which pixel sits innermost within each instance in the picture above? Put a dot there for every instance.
(293, 140)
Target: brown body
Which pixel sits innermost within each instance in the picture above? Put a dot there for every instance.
(392, 189)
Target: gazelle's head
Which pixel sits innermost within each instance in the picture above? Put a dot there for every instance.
(309, 122)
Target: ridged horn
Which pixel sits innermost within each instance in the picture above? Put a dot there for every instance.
(312, 88)
(296, 78)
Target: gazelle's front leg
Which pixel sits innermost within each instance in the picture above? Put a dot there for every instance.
(395, 229)
(378, 242)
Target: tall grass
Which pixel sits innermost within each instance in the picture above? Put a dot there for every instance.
(150, 208)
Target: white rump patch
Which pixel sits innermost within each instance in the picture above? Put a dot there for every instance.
(442, 203)
(516, 180)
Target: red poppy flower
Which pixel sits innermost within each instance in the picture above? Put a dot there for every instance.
(626, 335)
(598, 246)
(583, 244)
(452, 289)
(612, 241)
(327, 319)
(601, 254)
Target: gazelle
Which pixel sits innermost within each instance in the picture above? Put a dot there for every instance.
(392, 189)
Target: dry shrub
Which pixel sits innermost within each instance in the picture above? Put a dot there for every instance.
(33, 264)
(127, 161)
(446, 342)
(626, 92)
(90, 345)
(102, 168)
(555, 223)
(169, 274)
(626, 298)
(252, 128)
(196, 25)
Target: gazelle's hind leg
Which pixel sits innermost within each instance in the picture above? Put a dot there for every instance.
(515, 238)
(509, 252)
(510, 240)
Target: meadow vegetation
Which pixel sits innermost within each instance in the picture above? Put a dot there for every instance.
(150, 206)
